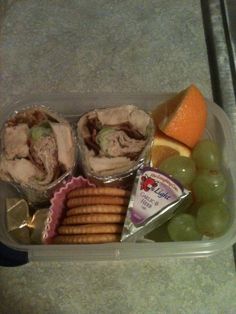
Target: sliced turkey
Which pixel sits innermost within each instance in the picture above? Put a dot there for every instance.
(65, 144)
(22, 171)
(44, 153)
(107, 166)
(15, 141)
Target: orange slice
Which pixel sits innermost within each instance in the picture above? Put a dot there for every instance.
(183, 117)
(164, 147)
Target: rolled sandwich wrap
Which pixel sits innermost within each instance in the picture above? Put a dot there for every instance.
(113, 141)
(38, 150)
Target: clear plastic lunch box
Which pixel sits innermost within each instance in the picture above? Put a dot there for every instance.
(72, 106)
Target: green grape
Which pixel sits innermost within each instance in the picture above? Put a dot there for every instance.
(180, 168)
(159, 234)
(206, 155)
(183, 228)
(208, 185)
(193, 209)
(213, 218)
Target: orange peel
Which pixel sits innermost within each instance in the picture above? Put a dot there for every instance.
(183, 117)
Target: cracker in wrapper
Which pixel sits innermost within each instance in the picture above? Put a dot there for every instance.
(155, 198)
(37, 153)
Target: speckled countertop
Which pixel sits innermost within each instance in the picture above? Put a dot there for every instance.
(92, 46)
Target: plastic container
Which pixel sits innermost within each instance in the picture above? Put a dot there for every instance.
(73, 105)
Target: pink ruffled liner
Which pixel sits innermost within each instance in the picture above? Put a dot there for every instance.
(57, 208)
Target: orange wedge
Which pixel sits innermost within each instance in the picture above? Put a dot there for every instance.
(183, 117)
(164, 147)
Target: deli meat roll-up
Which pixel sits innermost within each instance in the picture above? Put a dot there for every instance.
(113, 142)
(38, 151)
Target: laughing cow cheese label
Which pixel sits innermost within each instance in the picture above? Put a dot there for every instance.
(155, 191)
(155, 199)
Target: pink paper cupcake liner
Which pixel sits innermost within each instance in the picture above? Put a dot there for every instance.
(57, 208)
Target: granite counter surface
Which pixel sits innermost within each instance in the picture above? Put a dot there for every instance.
(109, 46)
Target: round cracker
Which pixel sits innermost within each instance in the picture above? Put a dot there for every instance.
(93, 219)
(98, 191)
(86, 239)
(97, 209)
(90, 229)
(96, 200)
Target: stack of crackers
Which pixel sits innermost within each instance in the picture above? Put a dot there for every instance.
(93, 215)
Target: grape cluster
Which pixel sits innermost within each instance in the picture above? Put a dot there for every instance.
(201, 173)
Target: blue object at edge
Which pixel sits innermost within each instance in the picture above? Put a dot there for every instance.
(10, 257)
